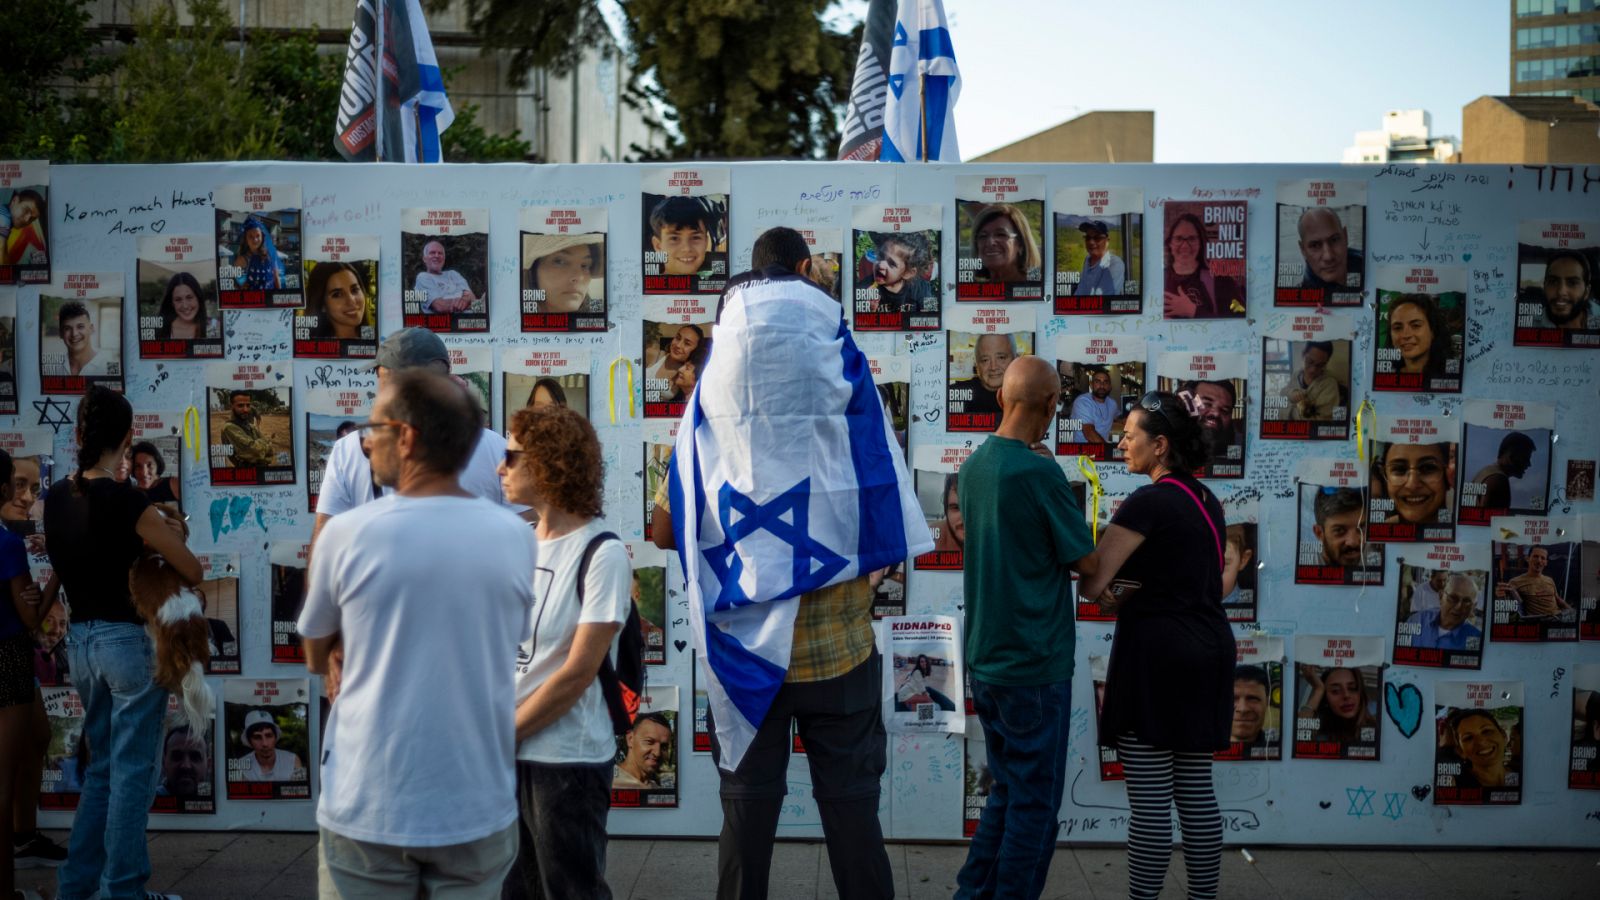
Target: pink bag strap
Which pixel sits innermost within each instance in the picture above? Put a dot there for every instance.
(1215, 534)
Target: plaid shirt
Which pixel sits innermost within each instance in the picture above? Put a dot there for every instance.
(832, 626)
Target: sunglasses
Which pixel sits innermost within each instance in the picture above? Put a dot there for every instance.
(512, 456)
(1151, 403)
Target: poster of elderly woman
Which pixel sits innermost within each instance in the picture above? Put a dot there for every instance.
(1000, 233)
(258, 246)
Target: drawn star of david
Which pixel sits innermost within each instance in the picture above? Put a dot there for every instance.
(1394, 806)
(1360, 801)
(786, 517)
(52, 412)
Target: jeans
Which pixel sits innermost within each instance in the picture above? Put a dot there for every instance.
(112, 668)
(562, 826)
(1025, 729)
(841, 724)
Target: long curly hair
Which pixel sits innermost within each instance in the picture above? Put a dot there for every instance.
(562, 454)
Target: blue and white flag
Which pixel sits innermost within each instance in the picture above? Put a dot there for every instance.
(786, 478)
(922, 62)
(415, 108)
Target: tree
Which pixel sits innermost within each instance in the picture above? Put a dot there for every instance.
(52, 60)
(302, 86)
(549, 34)
(744, 78)
(185, 96)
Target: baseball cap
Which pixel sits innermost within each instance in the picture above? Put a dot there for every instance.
(409, 348)
(1093, 226)
(255, 718)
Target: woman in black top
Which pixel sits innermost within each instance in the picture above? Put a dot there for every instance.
(1169, 683)
(95, 527)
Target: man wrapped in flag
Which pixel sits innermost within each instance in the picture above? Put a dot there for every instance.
(787, 493)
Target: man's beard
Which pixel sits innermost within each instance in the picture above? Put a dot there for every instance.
(1573, 312)
(1217, 439)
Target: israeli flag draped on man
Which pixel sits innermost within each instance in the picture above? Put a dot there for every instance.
(786, 478)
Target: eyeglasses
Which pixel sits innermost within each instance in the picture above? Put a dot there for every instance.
(1001, 235)
(1185, 239)
(365, 428)
(1400, 471)
(512, 456)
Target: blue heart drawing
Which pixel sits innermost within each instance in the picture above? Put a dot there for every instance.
(1404, 705)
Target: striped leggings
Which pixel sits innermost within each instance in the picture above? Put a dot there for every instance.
(1154, 779)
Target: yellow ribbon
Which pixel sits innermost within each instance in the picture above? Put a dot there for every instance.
(1091, 477)
(611, 387)
(192, 438)
(1361, 443)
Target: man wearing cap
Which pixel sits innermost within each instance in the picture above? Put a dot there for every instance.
(1102, 270)
(347, 477)
(265, 762)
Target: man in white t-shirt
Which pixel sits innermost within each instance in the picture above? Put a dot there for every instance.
(443, 290)
(418, 779)
(347, 480)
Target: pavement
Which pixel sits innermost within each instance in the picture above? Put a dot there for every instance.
(240, 865)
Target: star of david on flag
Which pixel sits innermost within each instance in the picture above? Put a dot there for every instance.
(924, 84)
(786, 478)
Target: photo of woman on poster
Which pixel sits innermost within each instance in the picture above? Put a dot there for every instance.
(186, 311)
(149, 474)
(913, 685)
(683, 342)
(566, 271)
(950, 532)
(1003, 241)
(1192, 291)
(257, 258)
(1338, 700)
(1416, 328)
(337, 297)
(1414, 484)
(1478, 741)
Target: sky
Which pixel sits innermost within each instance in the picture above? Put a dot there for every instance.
(1251, 81)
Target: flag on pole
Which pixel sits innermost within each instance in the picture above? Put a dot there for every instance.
(415, 108)
(862, 140)
(924, 84)
(786, 478)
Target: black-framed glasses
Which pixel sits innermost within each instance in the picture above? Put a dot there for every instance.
(512, 456)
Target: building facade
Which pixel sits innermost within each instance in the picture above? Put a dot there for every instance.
(1555, 48)
(576, 117)
(1406, 136)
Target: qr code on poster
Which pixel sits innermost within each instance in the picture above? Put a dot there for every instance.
(925, 712)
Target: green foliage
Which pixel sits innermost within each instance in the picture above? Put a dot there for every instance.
(185, 95)
(548, 33)
(51, 59)
(302, 88)
(180, 93)
(743, 78)
(466, 141)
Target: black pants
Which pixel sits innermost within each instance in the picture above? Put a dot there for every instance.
(561, 851)
(841, 724)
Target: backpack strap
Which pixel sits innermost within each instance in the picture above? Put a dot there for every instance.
(611, 686)
(588, 555)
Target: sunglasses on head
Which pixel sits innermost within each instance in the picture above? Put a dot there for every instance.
(1151, 403)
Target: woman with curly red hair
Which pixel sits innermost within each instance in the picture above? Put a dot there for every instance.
(564, 737)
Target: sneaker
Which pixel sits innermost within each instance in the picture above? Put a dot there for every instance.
(39, 852)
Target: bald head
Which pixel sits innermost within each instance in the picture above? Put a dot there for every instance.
(1030, 381)
(1325, 245)
(1028, 398)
